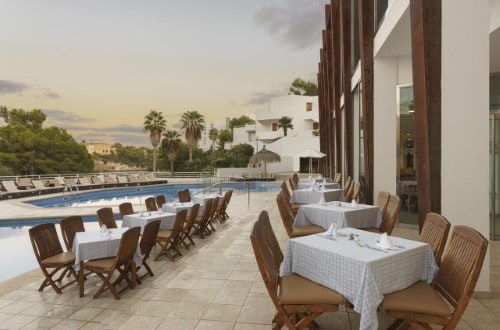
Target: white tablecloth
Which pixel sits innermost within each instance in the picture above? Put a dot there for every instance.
(305, 185)
(318, 180)
(362, 216)
(202, 198)
(92, 245)
(306, 196)
(142, 219)
(176, 207)
(360, 274)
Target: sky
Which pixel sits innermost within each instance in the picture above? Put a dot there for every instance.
(96, 68)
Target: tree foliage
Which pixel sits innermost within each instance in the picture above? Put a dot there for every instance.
(171, 143)
(225, 135)
(240, 121)
(302, 87)
(28, 148)
(193, 123)
(155, 124)
(285, 122)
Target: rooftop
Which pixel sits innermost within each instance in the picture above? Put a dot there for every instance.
(215, 285)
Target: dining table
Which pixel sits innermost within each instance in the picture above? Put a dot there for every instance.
(202, 198)
(352, 264)
(325, 185)
(175, 207)
(311, 196)
(141, 219)
(339, 213)
(89, 245)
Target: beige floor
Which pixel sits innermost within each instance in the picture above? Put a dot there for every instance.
(215, 285)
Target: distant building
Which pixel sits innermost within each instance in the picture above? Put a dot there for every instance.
(304, 113)
(99, 148)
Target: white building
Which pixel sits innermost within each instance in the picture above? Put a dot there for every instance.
(304, 113)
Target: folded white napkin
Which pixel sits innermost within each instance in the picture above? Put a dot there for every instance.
(312, 188)
(332, 230)
(324, 181)
(322, 199)
(354, 203)
(108, 234)
(385, 242)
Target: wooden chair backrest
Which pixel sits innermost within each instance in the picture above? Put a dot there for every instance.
(347, 185)
(191, 217)
(106, 217)
(160, 200)
(215, 205)
(69, 227)
(207, 210)
(184, 196)
(435, 233)
(45, 241)
(350, 190)
(148, 239)
(127, 247)
(285, 191)
(125, 209)
(285, 215)
(295, 178)
(230, 194)
(356, 191)
(382, 201)
(180, 218)
(460, 268)
(266, 261)
(337, 178)
(293, 185)
(391, 215)
(271, 238)
(151, 204)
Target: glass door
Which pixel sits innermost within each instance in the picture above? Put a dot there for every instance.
(494, 175)
(406, 156)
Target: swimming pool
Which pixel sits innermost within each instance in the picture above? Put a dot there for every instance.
(14, 233)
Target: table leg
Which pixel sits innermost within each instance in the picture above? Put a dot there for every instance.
(81, 278)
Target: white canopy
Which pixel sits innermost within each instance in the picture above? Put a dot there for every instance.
(311, 153)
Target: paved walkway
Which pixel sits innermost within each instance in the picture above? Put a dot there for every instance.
(215, 285)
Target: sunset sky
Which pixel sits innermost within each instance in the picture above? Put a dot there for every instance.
(96, 68)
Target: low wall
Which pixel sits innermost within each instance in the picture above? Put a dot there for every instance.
(236, 172)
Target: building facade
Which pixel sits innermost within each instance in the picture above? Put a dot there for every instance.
(99, 148)
(403, 98)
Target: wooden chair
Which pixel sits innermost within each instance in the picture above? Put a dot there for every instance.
(298, 301)
(390, 217)
(150, 204)
(435, 233)
(160, 200)
(123, 263)
(213, 214)
(230, 195)
(69, 227)
(422, 304)
(337, 178)
(287, 196)
(293, 185)
(356, 191)
(184, 196)
(106, 217)
(201, 222)
(349, 190)
(125, 209)
(50, 256)
(187, 227)
(169, 240)
(287, 219)
(147, 242)
(382, 201)
(221, 208)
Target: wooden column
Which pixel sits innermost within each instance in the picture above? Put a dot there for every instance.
(366, 28)
(426, 60)
(345, 23)
(336, 86)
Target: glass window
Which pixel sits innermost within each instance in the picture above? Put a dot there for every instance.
(309, 106)
(275, 127)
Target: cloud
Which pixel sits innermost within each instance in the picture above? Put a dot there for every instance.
(60, 116)
(46, 92)
(297, 23)
(122, 129)
(12, 87)
(260, 98)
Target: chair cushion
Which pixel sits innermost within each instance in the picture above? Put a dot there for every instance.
(104, 263)
(64, 258)
(306, 230)
(164, 234)
(419, 298)
(296, 290)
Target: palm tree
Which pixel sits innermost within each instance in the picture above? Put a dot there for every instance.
(285, 122)
(213, 135)
(171, 142)
(193, 122)
(155, 124)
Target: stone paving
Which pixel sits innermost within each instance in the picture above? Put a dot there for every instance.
(214, 285)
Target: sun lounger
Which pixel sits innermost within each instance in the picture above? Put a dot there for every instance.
(110, 179)
(10, 186)
(24, 183)
(122, 179)
(97, 180)
(132, 178)
(84, 181)
(69, 181)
